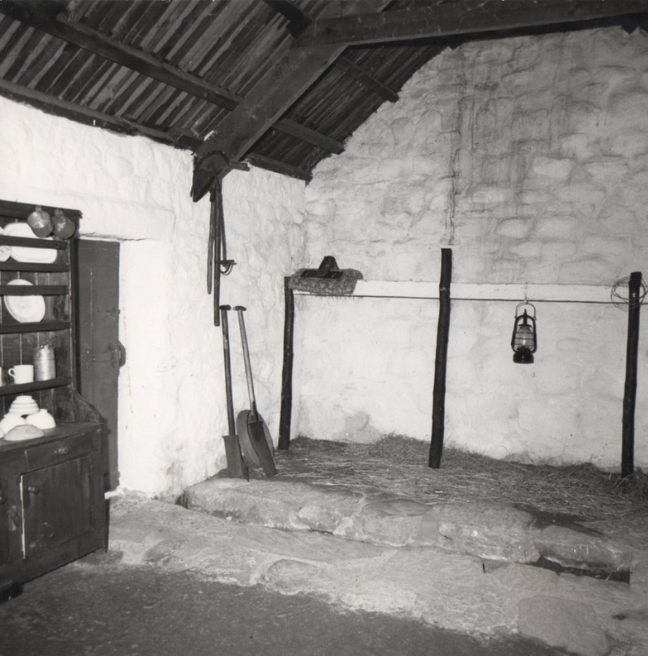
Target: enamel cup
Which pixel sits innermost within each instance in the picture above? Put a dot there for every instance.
(22, 373)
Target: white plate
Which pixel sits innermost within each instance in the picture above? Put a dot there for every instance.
(5, 251)
(24, 253)
(26, 309)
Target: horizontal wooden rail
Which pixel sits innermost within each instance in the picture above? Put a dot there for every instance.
(41, 327)
(33, 290)
(32, 242)
(7, 390)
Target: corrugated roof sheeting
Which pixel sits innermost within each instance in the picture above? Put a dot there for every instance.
(231, 44)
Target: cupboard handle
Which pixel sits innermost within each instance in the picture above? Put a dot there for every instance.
(62, 451)
(33, 489)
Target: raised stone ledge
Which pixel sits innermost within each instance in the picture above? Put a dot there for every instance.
(490, 531)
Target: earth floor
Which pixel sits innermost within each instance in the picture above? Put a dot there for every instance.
(99, 607)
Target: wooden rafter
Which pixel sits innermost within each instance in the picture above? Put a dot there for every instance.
(369, 81)
(263, 162)
(298, 21)
(468, 17)
(88, 116)
(293, 74)
(50, 18)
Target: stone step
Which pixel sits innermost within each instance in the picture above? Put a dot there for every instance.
(452, 590)
(489, 531)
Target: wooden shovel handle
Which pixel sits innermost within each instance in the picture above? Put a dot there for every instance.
(231, 423)
(246, 357)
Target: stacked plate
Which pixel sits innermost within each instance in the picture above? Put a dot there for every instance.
(24, 253)
(5, 251)
(24, 405)
(25, 309)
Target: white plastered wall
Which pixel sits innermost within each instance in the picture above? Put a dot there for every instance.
(529, 158)
(171, 390)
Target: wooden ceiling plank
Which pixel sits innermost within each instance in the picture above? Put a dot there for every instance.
(83, 87)
(471, 17)
(130, 95)
(99, 44)
(65, 56)
(269, 164)
(13, 45)
(183, 26)
(366, 79)
(40, 65)
(263, 107)
(137, 23)
(104, 46)
(161, 27)
(147, 106)
(180, 14)
(260, 109)
(79, 113)
(216, 29)
(26, 54)
(297, 130)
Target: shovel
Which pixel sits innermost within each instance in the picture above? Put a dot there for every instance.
(255, 437)
(236, 467)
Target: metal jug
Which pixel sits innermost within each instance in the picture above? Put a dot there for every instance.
(44, 363)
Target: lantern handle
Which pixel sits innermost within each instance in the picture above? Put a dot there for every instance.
(523, 304)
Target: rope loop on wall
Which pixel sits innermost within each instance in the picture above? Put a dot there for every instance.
(620, 294)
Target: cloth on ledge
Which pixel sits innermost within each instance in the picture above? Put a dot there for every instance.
(328, 280)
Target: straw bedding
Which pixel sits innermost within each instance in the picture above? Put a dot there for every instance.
(399, 465)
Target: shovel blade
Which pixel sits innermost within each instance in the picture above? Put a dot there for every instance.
(256, 442)
(258, 439)
(236, 466)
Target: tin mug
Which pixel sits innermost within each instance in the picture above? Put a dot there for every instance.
(44, 363)
(40, 222)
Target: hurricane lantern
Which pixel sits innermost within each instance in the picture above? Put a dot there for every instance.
(525, 339)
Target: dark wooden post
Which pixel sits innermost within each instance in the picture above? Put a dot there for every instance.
(440, 364)
(630, 393)
(286, 374)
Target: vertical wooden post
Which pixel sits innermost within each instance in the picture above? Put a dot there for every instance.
(286, 374)
(440, 364)
(630, 392)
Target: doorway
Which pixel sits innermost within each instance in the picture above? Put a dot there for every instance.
(100, 353)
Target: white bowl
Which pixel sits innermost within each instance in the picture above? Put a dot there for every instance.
(42, 419)
(10, 421)
(26, 432)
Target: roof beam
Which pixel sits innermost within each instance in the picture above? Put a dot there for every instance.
(353, 70)
(292, 75)
(82, 114)
(50, 18)
(263, 162)
(464, 17)
(298, 21)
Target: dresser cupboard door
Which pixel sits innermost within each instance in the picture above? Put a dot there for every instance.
(58, 505)
(5, 522)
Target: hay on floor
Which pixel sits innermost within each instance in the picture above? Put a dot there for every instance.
(399, 465)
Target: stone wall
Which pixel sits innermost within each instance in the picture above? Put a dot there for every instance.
(529, 158)
(129, 189)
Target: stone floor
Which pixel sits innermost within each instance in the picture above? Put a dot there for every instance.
(477, 568)
(484, 568)
(101, 607)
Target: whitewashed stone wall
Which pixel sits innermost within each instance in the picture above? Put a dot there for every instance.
(171, 392)
(529, 158)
